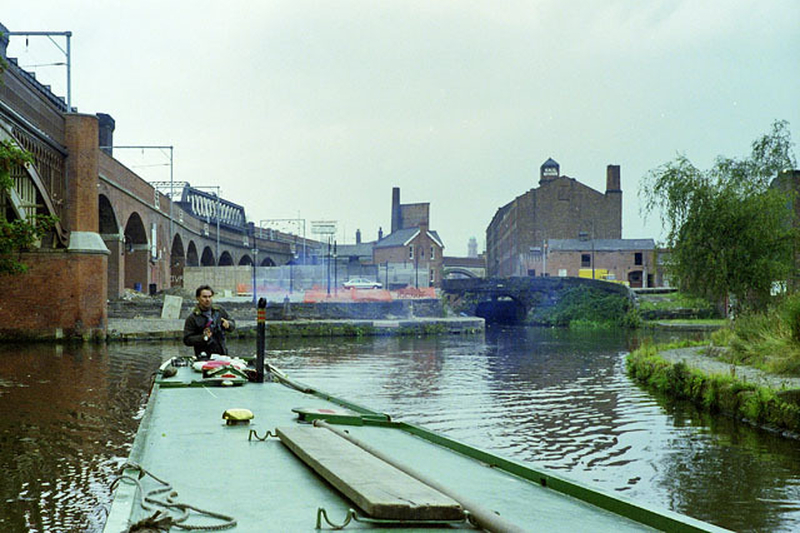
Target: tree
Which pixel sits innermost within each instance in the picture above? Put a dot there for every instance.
(726, 227)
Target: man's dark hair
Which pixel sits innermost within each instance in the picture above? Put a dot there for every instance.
(202, 288)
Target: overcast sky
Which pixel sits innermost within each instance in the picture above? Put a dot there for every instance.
(318, 109)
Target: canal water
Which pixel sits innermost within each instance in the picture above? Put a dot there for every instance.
(557, 399)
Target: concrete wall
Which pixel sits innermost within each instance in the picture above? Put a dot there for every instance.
(294, 311)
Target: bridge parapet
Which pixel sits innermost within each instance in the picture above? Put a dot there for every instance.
(527, 292)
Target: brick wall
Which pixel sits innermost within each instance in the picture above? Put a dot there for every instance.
(561, 208)
(422, 256)
(619, 263)
(61, 295)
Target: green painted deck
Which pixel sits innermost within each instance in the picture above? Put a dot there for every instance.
(183, 440)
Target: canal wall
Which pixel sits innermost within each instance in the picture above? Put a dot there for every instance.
(742, 392)
(396, 309)
(157, 329)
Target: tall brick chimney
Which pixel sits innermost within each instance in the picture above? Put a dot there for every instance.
(105, 130)
(612, 179)
(397, 220)
(358, 236)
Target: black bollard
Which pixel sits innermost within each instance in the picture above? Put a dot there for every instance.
(261, 331)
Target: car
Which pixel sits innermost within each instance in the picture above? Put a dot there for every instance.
(361, 283)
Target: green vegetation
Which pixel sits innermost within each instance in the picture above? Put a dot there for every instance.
(768, 340)
(718, 322)
(672, 301)
(726, 226)
(16, 235)
(587, 308)
(715, 392)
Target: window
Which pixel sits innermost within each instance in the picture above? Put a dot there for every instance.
(586, 260)
(637, 258)
(411, 252)
(433, 255)
(433, 276)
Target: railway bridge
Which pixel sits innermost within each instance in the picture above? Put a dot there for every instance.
(115, 230)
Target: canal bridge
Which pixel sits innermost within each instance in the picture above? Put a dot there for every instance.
(511, 299)
(115, 230)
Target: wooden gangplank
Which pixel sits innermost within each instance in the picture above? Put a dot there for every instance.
(378, 488)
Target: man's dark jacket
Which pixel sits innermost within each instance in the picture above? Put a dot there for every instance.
(196, 323)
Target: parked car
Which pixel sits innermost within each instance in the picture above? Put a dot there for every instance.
(361, 283)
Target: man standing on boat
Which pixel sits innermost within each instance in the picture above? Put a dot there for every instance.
(206, 325)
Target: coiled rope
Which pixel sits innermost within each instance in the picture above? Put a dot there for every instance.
(161, 520)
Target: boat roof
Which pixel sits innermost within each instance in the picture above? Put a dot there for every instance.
(264, 485)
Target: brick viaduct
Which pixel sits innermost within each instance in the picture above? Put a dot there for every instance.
(114, 231)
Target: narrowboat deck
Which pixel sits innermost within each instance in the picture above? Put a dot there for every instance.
(264, 486)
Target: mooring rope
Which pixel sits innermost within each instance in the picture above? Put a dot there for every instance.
(161, 520)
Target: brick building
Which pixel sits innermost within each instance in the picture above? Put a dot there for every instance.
(560, 208)
(629, 261)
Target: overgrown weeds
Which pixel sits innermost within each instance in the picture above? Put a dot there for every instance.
(588, 308)
(769, 340)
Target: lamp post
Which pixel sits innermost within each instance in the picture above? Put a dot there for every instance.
(255, 263)
(335, 272)
(217, 193)
(416, 268)
(329, 266)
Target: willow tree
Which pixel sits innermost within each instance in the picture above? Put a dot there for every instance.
(729, 232)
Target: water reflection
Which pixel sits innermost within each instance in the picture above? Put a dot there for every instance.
(562, 400)
(549, 397)
(67, 421)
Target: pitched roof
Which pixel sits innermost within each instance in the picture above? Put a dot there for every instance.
(600, 245)
(360, 250)
(401, 237)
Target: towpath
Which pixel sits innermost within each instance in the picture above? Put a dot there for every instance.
(695, 357)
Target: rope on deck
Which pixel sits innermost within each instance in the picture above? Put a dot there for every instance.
(161, 520)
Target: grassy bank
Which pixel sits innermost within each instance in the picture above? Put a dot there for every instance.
(769, 340)
(716, 393)
(587, 308)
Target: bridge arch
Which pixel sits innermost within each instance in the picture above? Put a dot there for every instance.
(225, 259)
(207, 259)
(136, 253)
(177, 261)
(459, 272)
(267, 262)
(192, 258)
(246, 260)
(108, 228)
(502, 309)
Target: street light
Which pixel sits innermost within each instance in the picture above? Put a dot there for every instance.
(255, 262)
(217, 192)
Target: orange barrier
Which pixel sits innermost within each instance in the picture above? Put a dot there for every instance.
(370, 295)
(411, 292)
(243, 288)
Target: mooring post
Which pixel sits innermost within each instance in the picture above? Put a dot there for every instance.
(261, 331)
